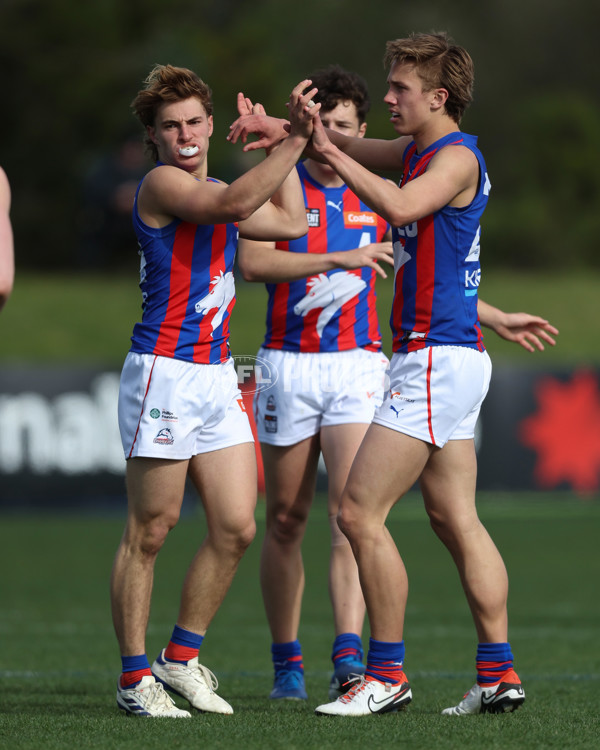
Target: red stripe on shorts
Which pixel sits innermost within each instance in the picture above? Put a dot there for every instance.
(142, 409)
(429, 414)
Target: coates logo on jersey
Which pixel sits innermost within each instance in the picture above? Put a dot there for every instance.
(360, 219)
(255, 373)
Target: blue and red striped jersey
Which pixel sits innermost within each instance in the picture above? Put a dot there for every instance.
(436, 264)
(188, 290)
(333, 311)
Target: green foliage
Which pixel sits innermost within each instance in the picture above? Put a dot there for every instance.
(59, 659)
(545, 210)
(73, 69)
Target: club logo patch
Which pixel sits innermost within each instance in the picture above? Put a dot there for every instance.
(164, 437)
(313, 217)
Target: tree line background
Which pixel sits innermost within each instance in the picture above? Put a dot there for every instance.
(72, 69)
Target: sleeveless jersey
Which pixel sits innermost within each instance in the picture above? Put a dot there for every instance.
(436, 264)
(333, 311)
(188, 291)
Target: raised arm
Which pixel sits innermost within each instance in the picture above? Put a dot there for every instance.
(529, 331)
(283, 216)
(372, 153)
(7, 260)
(450, 179)
(169, 192)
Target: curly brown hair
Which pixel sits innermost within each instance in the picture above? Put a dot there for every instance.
(338, 85)
(166, 83)
(439, 64)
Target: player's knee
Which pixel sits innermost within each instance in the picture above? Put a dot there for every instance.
(338, 538)
(234, 541)
(154, 534)
(245, 536)
(450, 528)
(347, 521)
(288, 528)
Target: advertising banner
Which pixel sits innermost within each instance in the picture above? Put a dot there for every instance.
(60, 444)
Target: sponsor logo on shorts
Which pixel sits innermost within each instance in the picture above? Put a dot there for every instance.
(313, 217)
(270, 423)
(396, 396)
(399, 397)
(164, 437)
(164, 414)
(168, 416)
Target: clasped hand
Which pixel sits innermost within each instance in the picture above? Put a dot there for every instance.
(253, 120)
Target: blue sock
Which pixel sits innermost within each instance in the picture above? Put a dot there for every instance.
(347, 647)
(493, 661)
(287, 656)
(385, 660)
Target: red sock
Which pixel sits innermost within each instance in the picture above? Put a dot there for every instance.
(177, 652)
(128, 679)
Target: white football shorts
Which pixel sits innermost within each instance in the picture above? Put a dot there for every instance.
(311, 390)
(174, 409)
(435, 393)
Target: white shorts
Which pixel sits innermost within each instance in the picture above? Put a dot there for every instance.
(317, 389)
(174, 409)
(436, 393)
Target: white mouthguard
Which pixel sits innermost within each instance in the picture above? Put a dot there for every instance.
(189, 151)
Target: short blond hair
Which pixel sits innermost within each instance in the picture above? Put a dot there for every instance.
(439, 64)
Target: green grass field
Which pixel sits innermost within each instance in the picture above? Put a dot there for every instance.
(53, 318)
(59, 659)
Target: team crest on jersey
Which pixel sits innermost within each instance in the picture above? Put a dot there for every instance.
(313, 217)
(222, 291)
(329, 294)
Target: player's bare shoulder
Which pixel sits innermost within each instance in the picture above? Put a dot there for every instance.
(458, 165)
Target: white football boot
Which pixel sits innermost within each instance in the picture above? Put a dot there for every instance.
(148, 698)
(192, 681)
(369, 696)
(497, 699)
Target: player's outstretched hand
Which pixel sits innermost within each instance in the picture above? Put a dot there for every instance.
(254, 121)
(368, 255)
(246, 107)
(269, 131)
(529, 331)
(302, 109)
